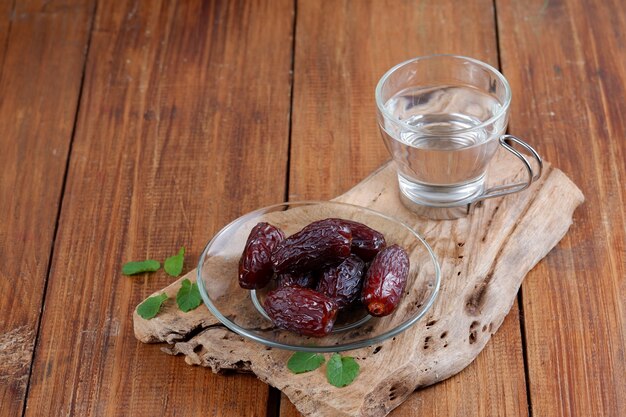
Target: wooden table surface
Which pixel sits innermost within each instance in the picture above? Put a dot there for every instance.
(130, 128)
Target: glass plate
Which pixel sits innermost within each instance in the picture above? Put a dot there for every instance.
(241, 310)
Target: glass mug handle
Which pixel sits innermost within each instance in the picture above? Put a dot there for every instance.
(507, 141)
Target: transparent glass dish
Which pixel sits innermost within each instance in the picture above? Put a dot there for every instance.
(242, 311)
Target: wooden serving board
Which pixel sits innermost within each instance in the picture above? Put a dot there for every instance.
(483, 257)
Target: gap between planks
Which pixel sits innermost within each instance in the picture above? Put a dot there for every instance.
(60, 200)
(520, 304)
(274, 397)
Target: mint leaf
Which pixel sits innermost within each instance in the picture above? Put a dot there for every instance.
(301, 362)
(174, 264)
(151, 306)
(137, 267)
(188, 296)
(341, 371)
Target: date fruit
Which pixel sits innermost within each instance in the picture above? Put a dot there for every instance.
(385, 281)
(255, 264)
(342, 283)
(302, 279)
(366, 242)
(314, 247)
(301, 310)
(324, 268)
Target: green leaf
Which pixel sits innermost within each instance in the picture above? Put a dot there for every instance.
(188, 296)
(151, 306)
(174, 264)
(341, 371)
(301, 362)
(137, 267)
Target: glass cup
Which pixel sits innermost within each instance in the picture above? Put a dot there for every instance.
(442, 118)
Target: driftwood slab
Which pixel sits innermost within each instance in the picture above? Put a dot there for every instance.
(484, 258)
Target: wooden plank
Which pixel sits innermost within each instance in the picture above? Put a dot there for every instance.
(567, 65)
(6, 20)
(42, 54)
(446, 398)
(342, 49)
(183, 126)
(491, 265)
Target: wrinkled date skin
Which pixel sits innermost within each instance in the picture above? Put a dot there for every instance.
(255, 265)
(366, 242)
(301, 310)
(342, 283)
(385, 281)
(314, 247)
(302, 279)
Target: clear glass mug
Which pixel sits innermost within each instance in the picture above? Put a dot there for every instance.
(442, 118)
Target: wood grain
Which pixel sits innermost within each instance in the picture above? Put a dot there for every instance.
(183, 126)
(483, 259)
(444, 398)
(342, 49)
(6, 21)
(564, 58)
(566, 62)
(42, 53)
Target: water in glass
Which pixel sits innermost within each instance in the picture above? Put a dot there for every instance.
(443, 156)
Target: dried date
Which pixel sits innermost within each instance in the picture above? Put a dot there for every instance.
(255, 264)
(366, 242)
(314, 247)
(385, 281)
(342, 283)
(302, 279)
(301, 310)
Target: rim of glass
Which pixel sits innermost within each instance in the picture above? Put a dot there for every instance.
(325, 349)
(502, 111)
